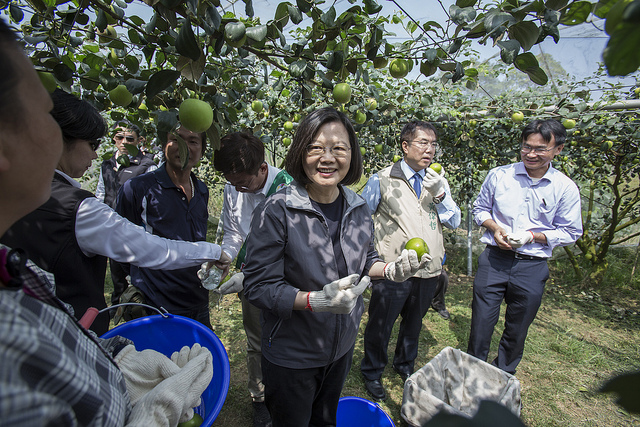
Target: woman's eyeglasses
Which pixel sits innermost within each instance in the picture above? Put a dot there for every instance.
(337, 151)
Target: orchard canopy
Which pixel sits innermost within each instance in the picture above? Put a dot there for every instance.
(142, 65)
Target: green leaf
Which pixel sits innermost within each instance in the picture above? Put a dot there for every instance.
(304, 5)
(466, 3)
(556, 4)
(622, 56)
(576, 13)
(16, 13)
(297, 68)
(528, 63)
(186, 43)
(281, 17)
(160, 81)
(329, 17)
(509, 49)
(294, 14)
(213, 17)
(526, 32)
(101, 20)
(458, 73)
(371, 7)
(461, 16)
(603, 7)
(495, 19)
(132, 149)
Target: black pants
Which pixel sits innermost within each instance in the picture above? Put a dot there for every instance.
(520, 283)
(411, 300)
(437, 303)
(119, 273)
(304, 397)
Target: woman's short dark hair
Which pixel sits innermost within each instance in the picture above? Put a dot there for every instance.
(305, 135)
(77, 118)
(9, 76)
(547, 129)
(408, 131)
(239, 152)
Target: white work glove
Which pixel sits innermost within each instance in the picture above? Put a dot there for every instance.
(172, 400)
(433, 182)
(234, 285)
(143, 370)
(405, 266)
(520, 238)
(339, 296)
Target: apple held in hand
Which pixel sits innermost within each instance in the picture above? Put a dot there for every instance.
(418, 245)
(437, 167)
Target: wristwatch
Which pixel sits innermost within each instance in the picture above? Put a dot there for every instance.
(439, 199)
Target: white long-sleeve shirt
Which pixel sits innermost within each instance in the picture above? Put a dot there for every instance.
(238, 209)
(101, 231)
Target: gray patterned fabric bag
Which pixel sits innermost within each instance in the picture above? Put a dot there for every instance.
(456, 383)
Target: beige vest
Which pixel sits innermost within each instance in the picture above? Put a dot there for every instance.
(400, 216)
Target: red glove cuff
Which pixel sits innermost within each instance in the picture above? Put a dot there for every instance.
(308, 307)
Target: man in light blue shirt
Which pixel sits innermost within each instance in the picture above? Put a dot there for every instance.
(528, 208)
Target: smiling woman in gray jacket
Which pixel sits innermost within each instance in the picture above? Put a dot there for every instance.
(309, 257)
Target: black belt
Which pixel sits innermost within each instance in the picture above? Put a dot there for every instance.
(516, 255)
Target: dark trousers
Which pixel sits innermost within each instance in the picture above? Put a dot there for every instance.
(411, 300)
(304, 397)
(437, 303)
(119, 278)
(520, 283)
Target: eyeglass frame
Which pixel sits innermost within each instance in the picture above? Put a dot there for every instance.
(425, 145)
(324, 150)
(248, 186)
(526, 149)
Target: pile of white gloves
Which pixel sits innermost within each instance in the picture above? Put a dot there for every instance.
(164, 391)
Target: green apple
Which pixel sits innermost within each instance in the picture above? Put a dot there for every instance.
(288, 126)
(342, 93)
(437, 167)
(397, 158)
(286, 141)
(120, 96)
(371, 104)
(418, 245)
(398, 68)
(256, 106)
(360, 117)
(378, 148)
(195, 115)
(196, 421)
(362, 151)
(569, 123)
(517, 117)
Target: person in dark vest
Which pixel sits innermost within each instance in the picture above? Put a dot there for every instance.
(73, 233)
(114, 172)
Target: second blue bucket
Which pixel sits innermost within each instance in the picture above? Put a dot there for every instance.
(358, 412)
(171, 333)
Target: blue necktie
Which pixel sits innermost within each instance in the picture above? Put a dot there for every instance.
(417, 183)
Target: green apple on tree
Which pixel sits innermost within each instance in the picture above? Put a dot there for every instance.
(371, 104)
(360, 117)
(286, 141)
(297, 117)
(107, 35)
(120, 96)
(378, 148)
(569, 123)
(48, 81)
(362, 151)
(342, 93)
(397, 158)
(398, 68)
(517, 116)
(256, 106)
(418, 245)
(195, 115)
(288, 126)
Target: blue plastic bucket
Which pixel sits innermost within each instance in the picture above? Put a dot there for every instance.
(358, 412)
(171, 333)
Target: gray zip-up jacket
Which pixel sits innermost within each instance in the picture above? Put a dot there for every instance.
(289, 250)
